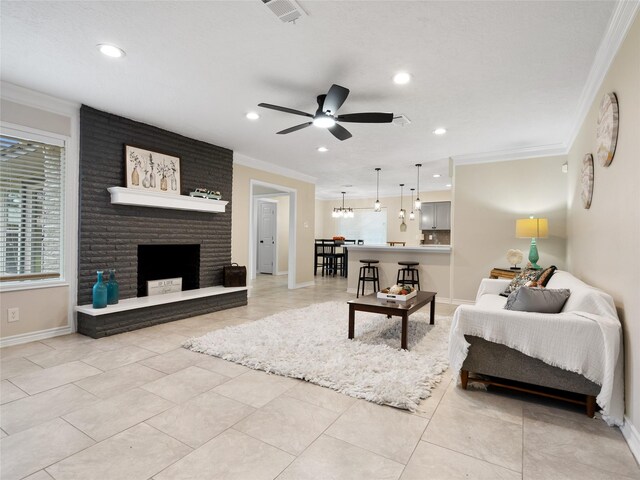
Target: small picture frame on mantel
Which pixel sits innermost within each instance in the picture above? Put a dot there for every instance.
(152, 171)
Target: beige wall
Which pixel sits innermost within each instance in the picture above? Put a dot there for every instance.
(326, 225)
(604, 241)
(305, 218)
(319, 223)
(283, 233)
(39, 308)
(19, 114)
(487, 200)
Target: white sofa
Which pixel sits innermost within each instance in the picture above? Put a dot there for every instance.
(578, 350)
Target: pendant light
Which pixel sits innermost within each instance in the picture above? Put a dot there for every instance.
(402, 212)
(376, 206)
(412, 216)
(417, 204)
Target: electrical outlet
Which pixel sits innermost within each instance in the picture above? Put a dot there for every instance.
(13, 314)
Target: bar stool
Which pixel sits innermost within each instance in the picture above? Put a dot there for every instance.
(408, 275)
(368, 273)
(334, 264)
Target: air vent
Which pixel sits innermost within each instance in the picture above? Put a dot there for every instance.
(401, 120)
(285, 10)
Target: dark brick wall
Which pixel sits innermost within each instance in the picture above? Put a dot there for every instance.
(109, 234)
(111, 324)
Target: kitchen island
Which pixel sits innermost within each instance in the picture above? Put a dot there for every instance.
(434, 265)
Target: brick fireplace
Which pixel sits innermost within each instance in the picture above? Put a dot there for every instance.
(110, 235)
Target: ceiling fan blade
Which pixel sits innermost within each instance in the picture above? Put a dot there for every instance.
(371, 117)
(293, 129)
(339, 132)
(335, 98)
(284, 109)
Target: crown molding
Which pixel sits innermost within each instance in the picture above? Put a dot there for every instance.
(39, 100)
(514, 154)
(620, 22)
(245, 161)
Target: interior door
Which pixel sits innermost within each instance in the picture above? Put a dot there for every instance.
(266, 236)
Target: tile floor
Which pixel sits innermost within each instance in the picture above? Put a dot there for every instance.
(138, 406)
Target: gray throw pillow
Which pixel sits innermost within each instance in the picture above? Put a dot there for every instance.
(539, 300)
(519, 280)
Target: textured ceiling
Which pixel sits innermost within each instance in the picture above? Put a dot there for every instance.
(498, 75)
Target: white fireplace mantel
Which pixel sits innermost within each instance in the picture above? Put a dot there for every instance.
(142, 198)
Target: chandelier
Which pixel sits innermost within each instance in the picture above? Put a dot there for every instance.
(342, 212)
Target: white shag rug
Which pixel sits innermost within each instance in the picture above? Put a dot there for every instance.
(311, 344)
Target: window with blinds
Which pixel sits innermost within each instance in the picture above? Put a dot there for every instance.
(31, 206)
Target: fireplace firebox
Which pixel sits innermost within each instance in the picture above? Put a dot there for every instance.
(162, 261)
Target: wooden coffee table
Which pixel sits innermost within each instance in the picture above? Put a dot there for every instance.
(372, 304)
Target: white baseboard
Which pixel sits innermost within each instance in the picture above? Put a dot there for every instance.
(282, 272)
(459, 301)
(631, 435)
(305, 284)
(35, 336)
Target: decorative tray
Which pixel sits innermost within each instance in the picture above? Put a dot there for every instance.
(387, 295)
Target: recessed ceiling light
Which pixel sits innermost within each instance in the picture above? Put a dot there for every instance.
(252, 116)
(440, 131)
(323, 149)
(436, 175)
(110, 50)
(401, 78)
(448, 185)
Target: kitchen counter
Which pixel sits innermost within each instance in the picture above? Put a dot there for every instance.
(399, 249)
(434, 266)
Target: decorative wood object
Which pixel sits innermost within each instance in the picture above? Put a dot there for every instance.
(504, 273)
(607, 129)
(586, 180)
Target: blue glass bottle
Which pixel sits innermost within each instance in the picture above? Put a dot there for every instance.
(99, 292)
(113, 289)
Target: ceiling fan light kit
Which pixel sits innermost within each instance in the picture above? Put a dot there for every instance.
(326, 115)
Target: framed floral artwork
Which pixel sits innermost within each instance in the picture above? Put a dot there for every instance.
(152, 171)
(607, 129)
(586, 180)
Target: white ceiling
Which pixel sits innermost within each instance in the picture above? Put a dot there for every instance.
(500, 76)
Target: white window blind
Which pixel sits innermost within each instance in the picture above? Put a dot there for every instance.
(31, 206)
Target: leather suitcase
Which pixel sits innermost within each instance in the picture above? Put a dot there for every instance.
(235, 276)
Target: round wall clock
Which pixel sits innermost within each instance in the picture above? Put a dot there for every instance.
(607, 130)
(586, 180)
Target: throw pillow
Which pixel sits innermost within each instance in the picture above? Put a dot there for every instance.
(545, 276)
(520, 280)
(539, 300)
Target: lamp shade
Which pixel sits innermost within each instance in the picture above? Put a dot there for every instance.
(532, 228)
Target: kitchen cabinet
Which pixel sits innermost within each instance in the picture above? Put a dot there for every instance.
(435, 216)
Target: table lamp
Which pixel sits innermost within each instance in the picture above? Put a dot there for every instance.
(532, 228)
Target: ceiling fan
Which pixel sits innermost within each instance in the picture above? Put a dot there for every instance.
(325, 116)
